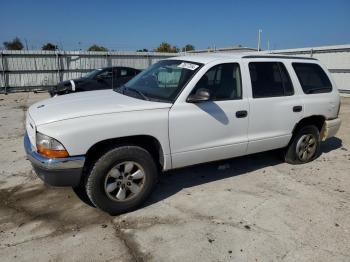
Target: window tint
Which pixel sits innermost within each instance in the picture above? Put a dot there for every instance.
(115, 72)
(123, 72)
(270, 79)
(223, 82)
(105, 74)
(312, 78)
(132, 72)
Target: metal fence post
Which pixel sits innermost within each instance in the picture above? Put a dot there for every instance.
(108, 60)
(68, 59)
(59, 67)
(149, 59)
(3, 72)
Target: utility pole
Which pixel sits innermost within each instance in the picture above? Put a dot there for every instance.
(259, 39)
(25, 40)
(61, 45)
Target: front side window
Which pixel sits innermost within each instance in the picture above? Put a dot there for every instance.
(93, 73)
(270, 79)
(162, 81)
(312, 78)
(105, 74)
(222, 81)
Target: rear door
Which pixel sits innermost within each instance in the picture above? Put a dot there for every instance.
(321, 96)
(275, 106)
(101, 81)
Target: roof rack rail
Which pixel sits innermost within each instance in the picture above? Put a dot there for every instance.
(279, 56)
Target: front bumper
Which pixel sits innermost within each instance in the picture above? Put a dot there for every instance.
(55, 171)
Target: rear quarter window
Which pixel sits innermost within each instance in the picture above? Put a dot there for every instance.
(312, 78)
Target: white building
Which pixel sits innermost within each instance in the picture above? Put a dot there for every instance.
(335, 57)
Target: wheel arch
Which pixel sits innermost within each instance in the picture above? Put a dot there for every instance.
(316, 120)
(149, 143)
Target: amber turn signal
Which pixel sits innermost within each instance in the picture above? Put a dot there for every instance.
(52, 153)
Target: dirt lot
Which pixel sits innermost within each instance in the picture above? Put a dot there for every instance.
(253, 208)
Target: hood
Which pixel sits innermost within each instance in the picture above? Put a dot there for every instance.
(76, 80)
(86, 104)
(67, 84)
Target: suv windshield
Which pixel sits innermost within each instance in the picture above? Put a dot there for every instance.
(162, 81)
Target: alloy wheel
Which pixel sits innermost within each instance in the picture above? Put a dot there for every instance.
(306, 147)
(124, 181)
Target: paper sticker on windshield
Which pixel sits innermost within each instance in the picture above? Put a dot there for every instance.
(188, 66)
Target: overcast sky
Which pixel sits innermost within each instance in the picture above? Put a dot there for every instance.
(131, 25)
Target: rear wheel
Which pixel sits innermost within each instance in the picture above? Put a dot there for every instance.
(304, 146)
(122, 179)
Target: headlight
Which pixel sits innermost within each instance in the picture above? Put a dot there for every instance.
(50, 147)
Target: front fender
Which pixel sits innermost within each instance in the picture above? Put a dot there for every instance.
(79, 134)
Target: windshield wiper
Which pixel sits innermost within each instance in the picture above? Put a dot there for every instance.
(138, 92)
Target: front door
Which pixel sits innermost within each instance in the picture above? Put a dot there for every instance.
(214, 129)
(101, 81)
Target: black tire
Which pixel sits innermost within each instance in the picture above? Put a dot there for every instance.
(80, 191)
(97, 179)
(298, 144)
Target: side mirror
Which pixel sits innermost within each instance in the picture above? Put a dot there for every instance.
(201, 95)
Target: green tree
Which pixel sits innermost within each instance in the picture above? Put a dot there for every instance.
(187, 48)
(15, 44)
(49, 47)
(98, 48)
(166, 48)
(142, 50)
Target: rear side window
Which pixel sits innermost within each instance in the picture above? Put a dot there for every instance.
(126, 72)
(312, 78)
(270, 79)
(123, 72)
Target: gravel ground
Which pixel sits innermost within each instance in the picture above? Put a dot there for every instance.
(253, 208)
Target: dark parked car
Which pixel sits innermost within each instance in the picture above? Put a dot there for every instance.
(102, 78)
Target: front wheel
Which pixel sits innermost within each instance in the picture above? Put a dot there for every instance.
(304, 146)
(122, 179)
(80, 192)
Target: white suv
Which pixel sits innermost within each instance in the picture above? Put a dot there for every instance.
(110, 145)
